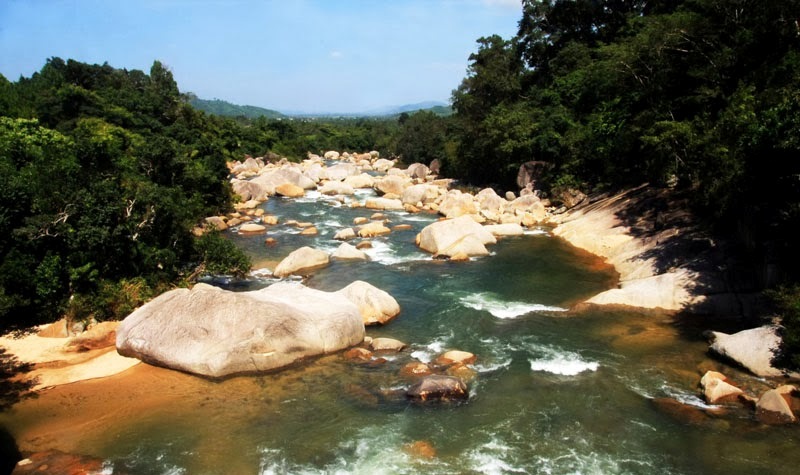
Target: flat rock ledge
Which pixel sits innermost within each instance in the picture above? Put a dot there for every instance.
(217, 333)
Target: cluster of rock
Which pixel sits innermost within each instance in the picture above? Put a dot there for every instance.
(474, 221)
(444, 379)
(216, 333)
(774, 406)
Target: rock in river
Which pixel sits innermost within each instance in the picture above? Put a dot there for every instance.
(438, 387)
(216, 333)
(375, 305)
(301, 260)
(455, 236)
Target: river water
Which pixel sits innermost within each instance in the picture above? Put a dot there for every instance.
(555, 390)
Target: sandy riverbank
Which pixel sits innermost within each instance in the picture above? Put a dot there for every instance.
(57, 361)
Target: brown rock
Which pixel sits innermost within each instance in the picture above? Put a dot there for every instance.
(270, 241)
(360, 220)
(364, 245)
(289, 190)
(402, 227)
(456, 356)
(415, 369)
(438, 387)
(387, 344)
(373, 229)
(269, 220)
(217, 223)
(310, 231)
(251, 228)
(717, 389)
(101, 335)
(420, 449)
(462, 371)
(361, 354)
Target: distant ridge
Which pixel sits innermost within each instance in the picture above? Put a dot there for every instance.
(224, 108)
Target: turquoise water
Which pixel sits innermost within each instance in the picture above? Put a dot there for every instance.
(555, 390)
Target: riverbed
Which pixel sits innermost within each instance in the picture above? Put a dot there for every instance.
(558, 388)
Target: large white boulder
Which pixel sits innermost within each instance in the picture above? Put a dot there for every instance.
(348, 252)
(360, 181)
(270, 180)
(216, 333)
(335, 188)
(753, 349)
(341, 171)
(376, 306)
(392, 184)
(461, 235)
(301, 260)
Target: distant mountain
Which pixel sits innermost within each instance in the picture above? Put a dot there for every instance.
(224, 108)
(395, 110)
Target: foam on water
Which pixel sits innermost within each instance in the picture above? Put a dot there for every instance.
(382, 252)
(491, 303)
(536, 232)
(493, 458)
(561, 362)
(374, 450)
(427, 352)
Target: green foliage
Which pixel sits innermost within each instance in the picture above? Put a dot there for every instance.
(787, 299)
(220, 256)
(104, 174)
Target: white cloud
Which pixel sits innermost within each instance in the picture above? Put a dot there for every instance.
(336, 55)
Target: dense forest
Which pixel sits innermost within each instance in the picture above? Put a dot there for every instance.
(106, 171)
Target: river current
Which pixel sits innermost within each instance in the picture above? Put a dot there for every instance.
(555, 390)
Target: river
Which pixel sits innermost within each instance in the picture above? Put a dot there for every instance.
(555, 390)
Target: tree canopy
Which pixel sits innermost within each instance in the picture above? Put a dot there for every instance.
(104, 174)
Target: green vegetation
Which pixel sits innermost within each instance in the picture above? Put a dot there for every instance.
(104, 173)
(224, 108)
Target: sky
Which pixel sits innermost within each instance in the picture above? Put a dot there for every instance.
(290, 55)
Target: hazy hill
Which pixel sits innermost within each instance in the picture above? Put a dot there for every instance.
(224, 108)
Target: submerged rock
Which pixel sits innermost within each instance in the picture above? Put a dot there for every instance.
(216, 333)
(438, 388)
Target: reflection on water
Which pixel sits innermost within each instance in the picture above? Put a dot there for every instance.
(557, 390)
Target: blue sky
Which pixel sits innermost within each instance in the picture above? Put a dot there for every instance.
(309, 56)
